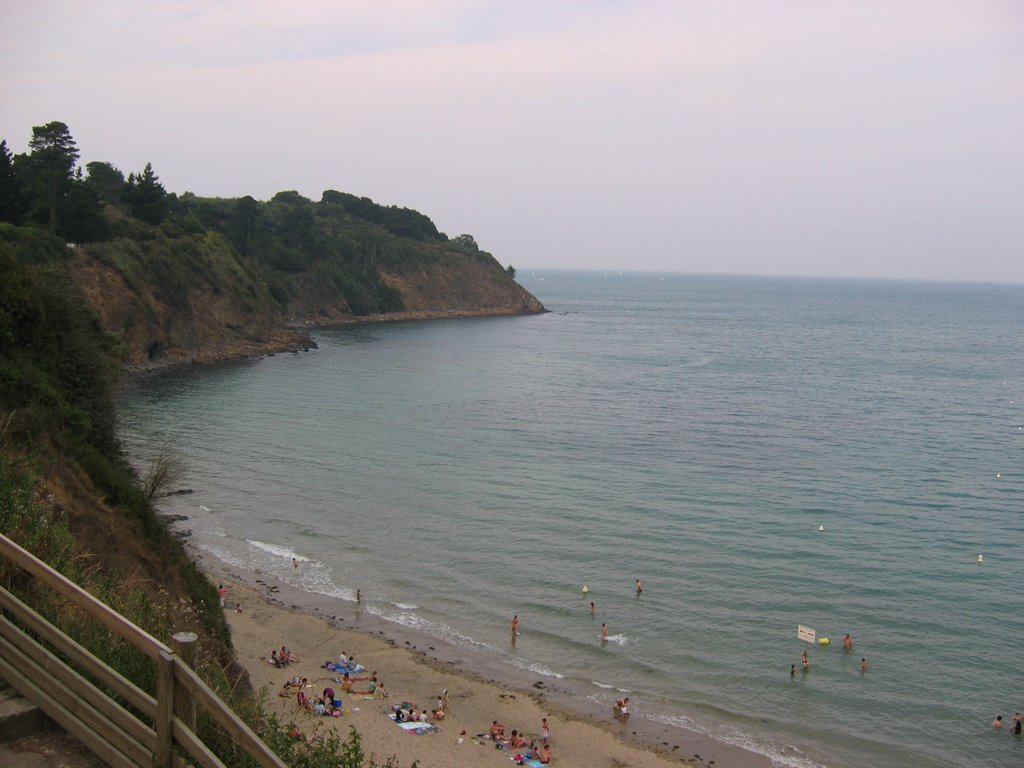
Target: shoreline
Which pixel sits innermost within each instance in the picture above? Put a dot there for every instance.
(295, 336)
(419, 666)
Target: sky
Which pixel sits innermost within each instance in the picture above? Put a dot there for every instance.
(847, 138)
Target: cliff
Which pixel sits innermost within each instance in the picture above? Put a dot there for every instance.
(193, 289)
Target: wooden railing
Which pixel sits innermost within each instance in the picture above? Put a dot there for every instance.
(114, 732)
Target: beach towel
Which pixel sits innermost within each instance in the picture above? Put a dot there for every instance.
(416, 727)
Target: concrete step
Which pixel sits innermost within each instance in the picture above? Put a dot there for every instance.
(18, 716)
(51, 748)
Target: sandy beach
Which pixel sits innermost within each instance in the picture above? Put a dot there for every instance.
(265, 614)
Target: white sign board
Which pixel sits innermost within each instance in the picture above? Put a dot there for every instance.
(805, 633)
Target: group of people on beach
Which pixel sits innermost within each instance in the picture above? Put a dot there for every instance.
(1015, 723)
(517, 741)
(328, 703)
(280, 659)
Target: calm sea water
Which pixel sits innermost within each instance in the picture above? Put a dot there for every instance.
(691, 431)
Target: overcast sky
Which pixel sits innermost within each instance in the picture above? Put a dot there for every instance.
(876, 139)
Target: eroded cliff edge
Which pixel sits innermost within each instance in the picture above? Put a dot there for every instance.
(172, 296)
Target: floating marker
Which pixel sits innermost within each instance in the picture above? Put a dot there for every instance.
(981, 558)
(998, 476)
(585, 589)
(821, 529)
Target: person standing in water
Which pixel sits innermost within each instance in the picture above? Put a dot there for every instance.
(359, 597)
(847, 642)
(639, 587)
(806, 661)
(593, 608)
(604, 633)
(515, 625)
(863, 665)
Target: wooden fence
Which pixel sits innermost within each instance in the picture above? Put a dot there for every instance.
(115, 733)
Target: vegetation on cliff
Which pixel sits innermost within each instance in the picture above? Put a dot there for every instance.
(186, 277)
(152, 276)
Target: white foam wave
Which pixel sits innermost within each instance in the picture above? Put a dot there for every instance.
(530, 666)
(602, 685)
(224, 555)
(617, 639)
(277, 549)
(406, 606)
(781, 756)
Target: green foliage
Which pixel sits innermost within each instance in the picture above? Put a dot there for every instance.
(47, 172)
(12, 195)
(401, 222)
(58, 362)
(106, 182)
(145, 196)
(511, 271)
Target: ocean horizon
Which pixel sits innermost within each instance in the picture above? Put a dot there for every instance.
(763, 452)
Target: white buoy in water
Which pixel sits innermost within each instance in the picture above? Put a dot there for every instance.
(999, 476)
(981, 558)
(821, 529)
(585, 589)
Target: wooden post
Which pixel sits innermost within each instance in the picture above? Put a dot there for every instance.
(162, 755)
(185, 645)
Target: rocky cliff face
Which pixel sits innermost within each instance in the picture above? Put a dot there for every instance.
(205, 327)
(207, 320)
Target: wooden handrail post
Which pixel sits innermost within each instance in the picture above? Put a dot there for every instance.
(186, 646)
(162, 754)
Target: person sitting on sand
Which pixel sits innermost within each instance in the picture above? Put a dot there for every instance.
(318, 708)
(531, 751)
(296, 682)
(545, 754)
(497, 730)
(382, 692)
(370, 689)
(515, 740)
(303, 700)
(622, 707)
(287, 655)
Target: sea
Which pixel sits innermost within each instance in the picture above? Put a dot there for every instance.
(764, 453)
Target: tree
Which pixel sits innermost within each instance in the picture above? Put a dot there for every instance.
(511, 271)
(48, 170)
(145, 196)
(106, 182)
(80, 216)
(12, 198)
(165, 469)
(466, 241)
